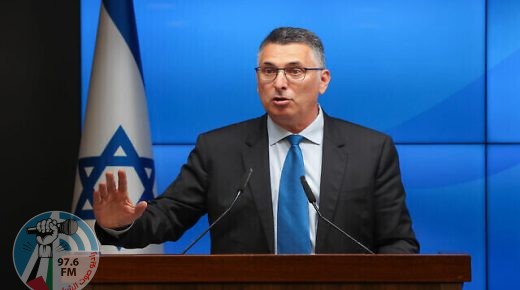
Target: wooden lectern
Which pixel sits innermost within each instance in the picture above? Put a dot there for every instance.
(381, 272)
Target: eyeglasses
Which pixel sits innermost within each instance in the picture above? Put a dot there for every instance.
(293, 73)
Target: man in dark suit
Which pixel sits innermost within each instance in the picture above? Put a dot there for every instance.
(353, 172)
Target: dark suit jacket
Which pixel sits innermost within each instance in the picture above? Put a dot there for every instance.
(361, 192)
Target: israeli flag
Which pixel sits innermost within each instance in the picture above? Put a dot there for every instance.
(116, 131)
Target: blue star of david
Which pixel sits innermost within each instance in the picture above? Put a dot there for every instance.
(108, 158)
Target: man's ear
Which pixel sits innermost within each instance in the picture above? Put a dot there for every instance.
(324, 80)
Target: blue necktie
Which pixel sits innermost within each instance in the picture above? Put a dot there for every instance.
(293, 211)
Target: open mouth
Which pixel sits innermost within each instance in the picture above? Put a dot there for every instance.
(280, 101)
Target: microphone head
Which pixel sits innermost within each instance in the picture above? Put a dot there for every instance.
(68, 227)
(307, 189)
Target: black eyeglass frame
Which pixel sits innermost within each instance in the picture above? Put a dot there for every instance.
(305, 69)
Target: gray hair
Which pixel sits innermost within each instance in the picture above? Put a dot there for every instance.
(288, 35)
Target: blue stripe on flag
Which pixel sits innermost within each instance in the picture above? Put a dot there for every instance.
(122, 14)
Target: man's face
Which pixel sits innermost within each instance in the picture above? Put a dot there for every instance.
(292, 104)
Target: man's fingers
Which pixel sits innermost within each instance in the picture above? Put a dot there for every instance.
(121, 182)
(111, 183)
(103, 193)
(140, 207)
(97, 197)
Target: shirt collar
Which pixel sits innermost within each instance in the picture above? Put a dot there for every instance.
(313, 132)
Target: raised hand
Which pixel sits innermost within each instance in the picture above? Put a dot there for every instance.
(112, 206)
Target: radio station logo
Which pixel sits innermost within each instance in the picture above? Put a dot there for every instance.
(56, 250)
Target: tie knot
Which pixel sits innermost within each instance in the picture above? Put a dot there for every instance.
(295, 139)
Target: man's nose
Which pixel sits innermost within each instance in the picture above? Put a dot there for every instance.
(280, 81)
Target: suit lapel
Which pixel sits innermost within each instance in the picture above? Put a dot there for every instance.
(334, 162)
(256, 156)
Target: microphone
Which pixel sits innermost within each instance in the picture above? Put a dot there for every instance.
(312, 199)
(240, 190)
(68, 227)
